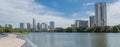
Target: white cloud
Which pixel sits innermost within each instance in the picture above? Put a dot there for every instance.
(90, 13)
(113, 13)
(88, 4)
(16, 11)
(79, 16)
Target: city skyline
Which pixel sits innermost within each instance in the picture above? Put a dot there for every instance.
(36, 25)
(22, 11)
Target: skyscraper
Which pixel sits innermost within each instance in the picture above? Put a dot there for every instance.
(81, 23)
(44, 26)
(22, 25)
(38, 26)
(92, 21)
(29, 26)
(52, 25)
(10, 26)
(77, 23)
(73, 26)
(6, 25)
(34, 24)
(101, 14)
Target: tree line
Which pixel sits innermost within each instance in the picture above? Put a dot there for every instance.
(104, 29)
(12, 30)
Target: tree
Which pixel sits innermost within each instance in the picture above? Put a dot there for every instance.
(81, 29)
(89, 29)
(50, 30)
(1, 29)
(23, 31)
(107, 29)
(97, 29)
(70, 30)
(116, 29)
(59, 30)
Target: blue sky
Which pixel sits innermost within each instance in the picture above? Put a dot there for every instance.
(62, 12)
(69, 7)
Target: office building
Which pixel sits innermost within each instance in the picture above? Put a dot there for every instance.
(38, 26)
(29, 27)
(34, 24)
(44, 26)
(10, 26)
(81, 23)
(101, 14)
(6, 25)
(92, 21)
(52, 25)
(22, 25)
(77, 23)
(73, 26)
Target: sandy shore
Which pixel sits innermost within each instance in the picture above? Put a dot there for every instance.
(11, 41)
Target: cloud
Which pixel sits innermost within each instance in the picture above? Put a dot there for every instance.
(113, 13)
(88, 4)
(90, 13)
(79, 16)
(16, 11)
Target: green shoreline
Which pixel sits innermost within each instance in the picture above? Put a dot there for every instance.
(95, 29)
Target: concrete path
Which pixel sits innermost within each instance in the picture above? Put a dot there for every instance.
(11, 41)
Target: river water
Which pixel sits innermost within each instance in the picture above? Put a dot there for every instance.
(72, 40)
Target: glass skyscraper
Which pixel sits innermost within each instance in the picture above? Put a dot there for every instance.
(44, 26)
(38, 26)
(81, 23)
(34, 24)
(22, 25)
(52, 25)
(92, 21)
(101, 14)
(29, 26)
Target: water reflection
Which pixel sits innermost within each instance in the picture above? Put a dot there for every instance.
(52, 40)
(82, 40)
(68, 39)
(98, 40)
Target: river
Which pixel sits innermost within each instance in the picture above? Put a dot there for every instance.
(72, 40)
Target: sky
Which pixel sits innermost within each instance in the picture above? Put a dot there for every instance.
(62, 12)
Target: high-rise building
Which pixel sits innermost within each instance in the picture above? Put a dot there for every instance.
(6, 25)
(92, 21)
(52, 25)
(77, 23)
(44, 26)
(29, 26)
(38, 26)
(101, 14)
(81, 23)
(22, 25)
(34, 24)
(73, 26)
(10, 26)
